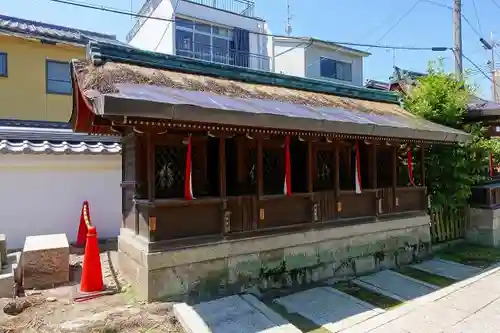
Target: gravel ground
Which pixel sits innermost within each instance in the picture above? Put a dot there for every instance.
(54, 310)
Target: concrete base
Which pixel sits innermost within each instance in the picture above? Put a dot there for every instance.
(262, 263)
(484, 227)
(9, 275)
(45, 261)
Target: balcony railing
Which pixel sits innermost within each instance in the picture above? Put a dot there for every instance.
(229, 57)
(240, 7)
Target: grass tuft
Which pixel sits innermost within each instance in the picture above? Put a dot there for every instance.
(366, 295)
(436, 280)
(468, 254)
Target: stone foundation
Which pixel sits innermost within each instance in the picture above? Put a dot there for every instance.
(261, 263)
(484, 227)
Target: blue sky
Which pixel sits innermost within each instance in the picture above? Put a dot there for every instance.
(360, 21)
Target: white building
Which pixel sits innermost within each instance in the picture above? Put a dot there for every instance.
(222, 31)
(317, 59)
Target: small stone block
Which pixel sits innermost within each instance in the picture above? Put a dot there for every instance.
(45, 261)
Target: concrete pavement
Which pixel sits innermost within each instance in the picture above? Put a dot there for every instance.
(469, 305)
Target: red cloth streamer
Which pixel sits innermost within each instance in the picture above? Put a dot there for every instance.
(491, 165)
(410, 166)
(287, 186)
(357, 174)
(188, 181)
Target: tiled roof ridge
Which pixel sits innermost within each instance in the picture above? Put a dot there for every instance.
(57, 27)
(101, 52)
(47, 147)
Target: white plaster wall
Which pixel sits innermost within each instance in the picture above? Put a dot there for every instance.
(150, 34)
(289, 57)
(315, 52)
(43, 194)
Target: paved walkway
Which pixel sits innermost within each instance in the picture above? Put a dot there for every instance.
(395, 285)
(469, 305)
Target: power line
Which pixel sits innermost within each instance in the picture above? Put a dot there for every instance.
(432, 2)
(123, 12)
(477, 16)
(477, 67)
(495, 3)
(397, 22)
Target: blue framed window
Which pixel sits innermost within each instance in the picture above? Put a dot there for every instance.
(334, 69)
(58, 77)
(203, 40)
(3, 64)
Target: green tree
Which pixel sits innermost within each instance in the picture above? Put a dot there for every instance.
(451, 170)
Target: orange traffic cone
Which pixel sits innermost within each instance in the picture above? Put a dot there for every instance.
(91, 272)
(82, 228)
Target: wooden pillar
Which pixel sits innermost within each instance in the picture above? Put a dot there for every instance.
(222, 167)
(240, 160)
(310, 188)
(336, 178)
(260, 168)
(150, 166)
(422, 165)
(150, 176)
(373, 165)
(394, 174)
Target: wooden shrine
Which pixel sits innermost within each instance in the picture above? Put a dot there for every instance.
(229, 172)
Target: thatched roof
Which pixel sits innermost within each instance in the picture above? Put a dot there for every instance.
(94, 80)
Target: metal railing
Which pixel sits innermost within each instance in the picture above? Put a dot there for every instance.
(230, 57)
(240, 7)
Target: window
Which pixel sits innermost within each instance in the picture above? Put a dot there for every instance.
(3, 64)
(334, 69)
(203, 41)
(58, 77)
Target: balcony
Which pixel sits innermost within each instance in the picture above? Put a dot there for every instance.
(240, 7)
(226, 56)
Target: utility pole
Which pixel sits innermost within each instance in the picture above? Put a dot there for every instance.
(457, 26)
(493, 76)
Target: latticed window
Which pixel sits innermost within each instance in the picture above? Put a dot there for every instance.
(324, 177)
(274, 170)
(170, 166)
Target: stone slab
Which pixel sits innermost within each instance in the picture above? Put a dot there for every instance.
(395, 285)
(329, 308)
(448, 269)
(45, 261)
(233, 314)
